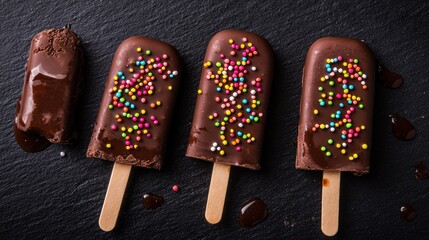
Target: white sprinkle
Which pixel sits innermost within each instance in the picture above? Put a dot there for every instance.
(150, 83)
(326, 77)
(335, 69)
(240, 125)
(253, 68)
(231, 98)
(224, 72)
(218, 148)
(332, 129)
(364, 76)
(344, 144)
(212, 149)
(62, 154)
(253, 92)
(214, 144)
(155, 66)
(332, 74)
(230, 68)
(340, 70)
(235, 94)
(363, 82)
(175, 73)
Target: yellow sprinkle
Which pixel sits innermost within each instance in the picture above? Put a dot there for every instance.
(133, 97)
(224, 142)
(135, 146)
(143, 111)
(322, 79)
(128, 147)
(322, 126)
(344, 64)
(231, 130)
(208, 64)
(248, 120)
(316, 111)
(242, 46)
(123, 129)
(150, 92)
(222, 137)
(228, 112)
(355, 155)
(115, 89)
(252, 139)
(323, 95)
(170, 88)
(115, 78)
(239, 106)
(145, 131)
(130, 130)
(362, 127)
(351, 158)
(343, 151)
(139, 49)
(108, 145)
(211, 117)
(131, 70)
(230, 40)
(249, 44)
(364, 146)
(222, 152)
(158, 103)
(338, 145)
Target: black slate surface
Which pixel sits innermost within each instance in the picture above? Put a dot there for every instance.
(45, 196)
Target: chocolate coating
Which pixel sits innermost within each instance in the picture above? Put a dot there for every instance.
(204, 134)
(310, 155)
(46, 108)
(109, 144)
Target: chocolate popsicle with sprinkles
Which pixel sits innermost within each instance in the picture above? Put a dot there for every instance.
(230, 112)
(135, 114)
(335, 127)
(46, 108)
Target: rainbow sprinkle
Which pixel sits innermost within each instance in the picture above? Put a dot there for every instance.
(131, 94)
(237, 95)
(342, 104)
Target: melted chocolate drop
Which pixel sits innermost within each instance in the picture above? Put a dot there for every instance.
(152, 201)
(422, 172)
(408, 213)
(390, 79)
(253, 212)
(402, 128)
(30, 142)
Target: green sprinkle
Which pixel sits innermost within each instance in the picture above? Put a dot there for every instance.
(110, 106)
(217, 124)
(331, 83)
(124, 135)
(355, 60)
(332, 115)
(349, 125)
(135, 127)
(148, 52)
(361, 106)
(218, 64)
(256, 119)
(320, 89)
(323, 148)
(330, 103)
(331, 94)
(328, 153)
(330, 141)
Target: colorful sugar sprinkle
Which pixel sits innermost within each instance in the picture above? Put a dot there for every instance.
(341, 104)
(237, 95)
(131, 93)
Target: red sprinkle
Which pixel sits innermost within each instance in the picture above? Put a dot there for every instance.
(175, 188)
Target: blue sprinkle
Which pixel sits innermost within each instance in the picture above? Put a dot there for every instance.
(118, 94)
(349, 101)
(239, 134)
(244, 58)
(344, 86)
(351, 87)
(235, 79)
(337, 116)
(244, 101)
(218, 89)
(251, 117)
(132, 106)
(328, 65)
(335, 59)
(242, 79)
(332, 124)
(343, 136)
(143, 63)
(329, 69)
(127, 104)
(137, 63)
(342, 105)
(338, 112)
(120, 73)
(171, 75)
(248, 110)
(322, 104)
(123, 77)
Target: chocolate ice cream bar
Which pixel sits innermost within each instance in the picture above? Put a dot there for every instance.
(46, 108)
(232, 102)
(336, 106)
(137, 104)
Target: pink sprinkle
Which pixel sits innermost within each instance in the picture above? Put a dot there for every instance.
(134, 119)
(141, 119)
(164, 56)
(149, 135)
(140, 125)
(252, 48)
(222, 55)
(152, 117)
(127, 142)
(340, 58)
(231, 135)
(214, 114)
(140, 58)
(143, 100)
(261, 115)
(146, 125)
(155, 122)
(350, 70)
(347, 116)
(157, 59)
(238, 149)
(175, 188)
(217, 99)
(349, 140)
(356, 134)
(352, 109)
(338, 95)
(113, 127)
(249, 141)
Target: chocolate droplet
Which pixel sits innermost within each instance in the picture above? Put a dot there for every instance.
(152, 201)
(390, 79)
(253, 212)
(402, 128)
(408, 213)
(30, 142)
(422, 172)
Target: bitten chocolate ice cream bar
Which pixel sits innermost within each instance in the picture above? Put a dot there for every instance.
(230, 112)
(137, 105)
(336, 106)
(46, 108)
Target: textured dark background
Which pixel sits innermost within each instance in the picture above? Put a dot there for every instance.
(46, 196)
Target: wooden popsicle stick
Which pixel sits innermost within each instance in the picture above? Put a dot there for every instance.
(217, 192)
(115, 194)
(330, 201)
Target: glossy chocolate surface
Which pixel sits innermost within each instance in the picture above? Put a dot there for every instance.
(232, 100)
(46, 108)
(344, 146)
(143, 82)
